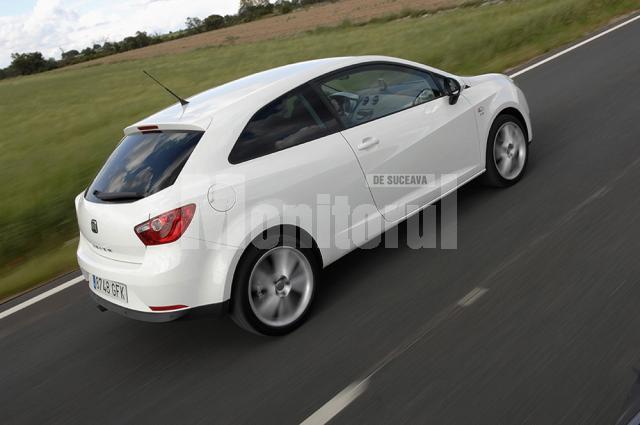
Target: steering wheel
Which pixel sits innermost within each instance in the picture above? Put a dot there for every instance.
(345, 103)
(424, 96)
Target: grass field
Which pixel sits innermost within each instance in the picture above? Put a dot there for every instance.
(328, 14)
(59, 127)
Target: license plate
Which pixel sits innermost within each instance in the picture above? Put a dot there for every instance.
(110, 288)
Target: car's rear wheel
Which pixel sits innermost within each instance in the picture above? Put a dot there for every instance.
(274, 287)
(507, 151)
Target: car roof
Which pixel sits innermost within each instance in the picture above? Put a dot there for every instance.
(252, 91)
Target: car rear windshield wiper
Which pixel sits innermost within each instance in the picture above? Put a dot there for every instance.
(117, 196)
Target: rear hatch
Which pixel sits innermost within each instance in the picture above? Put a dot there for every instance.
(143, 164)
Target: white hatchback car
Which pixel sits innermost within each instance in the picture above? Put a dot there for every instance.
(237, 199)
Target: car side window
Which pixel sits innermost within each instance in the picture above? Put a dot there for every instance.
(297, 117)
(370, 92)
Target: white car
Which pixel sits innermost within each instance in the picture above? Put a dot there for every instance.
(235, 200)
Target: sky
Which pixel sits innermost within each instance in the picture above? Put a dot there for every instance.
(51, 25)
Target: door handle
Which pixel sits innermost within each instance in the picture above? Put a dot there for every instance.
(367, 143)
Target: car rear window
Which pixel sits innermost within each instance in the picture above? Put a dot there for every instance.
(143, 164)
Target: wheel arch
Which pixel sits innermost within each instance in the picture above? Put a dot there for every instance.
(298, 232)
(506, 108)
(511, 110)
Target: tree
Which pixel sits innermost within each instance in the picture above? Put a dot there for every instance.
(283, 6)
(52, 63)
(230, 20)
(69, 54)
(194, 25)
(141, 39)
(30, 63)
(254, 9)
(246, 5)
(213, 22)
(8, 72)
(109, 47)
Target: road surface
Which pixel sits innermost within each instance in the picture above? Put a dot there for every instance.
(402, 335)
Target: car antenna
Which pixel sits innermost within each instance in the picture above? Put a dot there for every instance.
(181, 100)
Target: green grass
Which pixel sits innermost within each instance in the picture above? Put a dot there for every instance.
(39, 269)
(59, 127)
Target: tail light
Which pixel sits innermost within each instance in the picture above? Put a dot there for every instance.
(166, 227)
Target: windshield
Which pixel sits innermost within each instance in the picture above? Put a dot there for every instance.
(142, 165)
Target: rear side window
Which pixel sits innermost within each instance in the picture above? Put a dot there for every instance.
(142, 165)
(295, 118)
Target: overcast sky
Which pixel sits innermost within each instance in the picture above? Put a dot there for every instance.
(49, 25)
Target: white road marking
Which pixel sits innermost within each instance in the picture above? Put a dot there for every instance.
(358, 387)
(618, 288)
(40, 297)
(472, 297)
(337, 403)
(346, 396)
(575, 46)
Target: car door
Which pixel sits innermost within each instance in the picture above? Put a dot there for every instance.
(410, 142)
(293, 160)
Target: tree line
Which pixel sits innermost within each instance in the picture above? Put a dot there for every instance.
(250, 10)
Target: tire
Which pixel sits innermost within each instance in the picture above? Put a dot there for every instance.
(507, 151)
(274, 285)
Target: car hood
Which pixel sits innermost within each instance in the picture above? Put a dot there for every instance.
(485, 78)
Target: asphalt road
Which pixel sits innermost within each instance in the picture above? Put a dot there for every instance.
(552, 341)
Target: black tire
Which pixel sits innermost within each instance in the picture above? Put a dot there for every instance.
(492, 176)
(242, 312)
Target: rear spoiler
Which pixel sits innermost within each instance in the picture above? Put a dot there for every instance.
(144, 127)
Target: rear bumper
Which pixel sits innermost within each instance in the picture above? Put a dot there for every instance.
(218, 309)
(187, 273)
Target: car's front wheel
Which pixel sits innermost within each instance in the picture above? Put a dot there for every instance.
(274, 286)
(507, 151)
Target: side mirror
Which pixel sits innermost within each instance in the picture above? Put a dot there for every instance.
(453, 90)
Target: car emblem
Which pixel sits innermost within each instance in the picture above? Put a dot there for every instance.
(94, 226)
